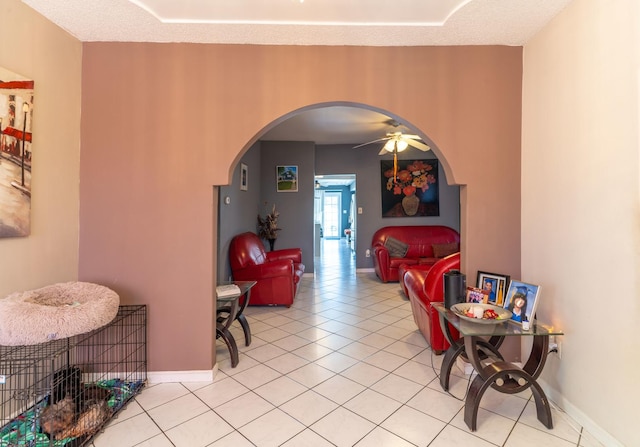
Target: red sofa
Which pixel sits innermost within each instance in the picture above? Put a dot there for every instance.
(423, 243)
(277, 272)
(424, 288)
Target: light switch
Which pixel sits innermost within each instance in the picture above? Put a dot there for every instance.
(359, 210)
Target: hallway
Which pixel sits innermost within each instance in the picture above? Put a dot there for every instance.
(337, 260)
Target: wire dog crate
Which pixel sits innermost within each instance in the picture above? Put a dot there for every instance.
(62, 392)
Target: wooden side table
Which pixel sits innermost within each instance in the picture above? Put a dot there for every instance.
(230, 309)
(480, 345)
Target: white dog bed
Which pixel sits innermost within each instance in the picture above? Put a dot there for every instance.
(53, 312)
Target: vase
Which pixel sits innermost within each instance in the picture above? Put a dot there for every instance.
(271, 244)
(410, 204)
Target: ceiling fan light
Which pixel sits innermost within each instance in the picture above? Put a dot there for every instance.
(389, 145)
(402, 145)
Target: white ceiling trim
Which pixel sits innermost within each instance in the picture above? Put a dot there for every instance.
(300, 12)
(474, 22)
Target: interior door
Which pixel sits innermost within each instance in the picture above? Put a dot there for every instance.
(331, 215)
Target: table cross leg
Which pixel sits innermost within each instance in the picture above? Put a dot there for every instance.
(245, 327)
(223, 333)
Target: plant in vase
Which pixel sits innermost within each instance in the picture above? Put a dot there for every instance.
(416, 175)
(268, 227)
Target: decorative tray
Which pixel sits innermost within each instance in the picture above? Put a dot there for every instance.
(461, 309)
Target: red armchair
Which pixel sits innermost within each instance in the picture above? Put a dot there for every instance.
(277, 272)
(424, 288)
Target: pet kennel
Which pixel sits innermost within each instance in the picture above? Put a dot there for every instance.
(62, 392)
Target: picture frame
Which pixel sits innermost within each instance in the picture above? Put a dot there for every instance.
(286, 178)
(244, 177)
(16, 153)
(477, 295)
(399, 196)
(521, 291)
(499, 284)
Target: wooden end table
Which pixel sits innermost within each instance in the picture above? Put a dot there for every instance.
(230, 309)
(480, 345)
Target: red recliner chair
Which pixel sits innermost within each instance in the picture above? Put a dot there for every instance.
(277, 272)
(424, 288)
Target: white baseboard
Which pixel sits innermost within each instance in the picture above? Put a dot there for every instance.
(182, 376)
(576, 414)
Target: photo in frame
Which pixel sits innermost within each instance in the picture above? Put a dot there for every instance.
(477, 295)
(522, 300)
(413, 192)
(287, 178)
(496, 284)
(244, 177)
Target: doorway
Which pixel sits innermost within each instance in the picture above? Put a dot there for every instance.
(331, 206)
(334, 215)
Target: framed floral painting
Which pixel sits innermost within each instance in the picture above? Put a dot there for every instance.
(413, 192)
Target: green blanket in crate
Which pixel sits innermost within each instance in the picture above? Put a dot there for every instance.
(24, 430)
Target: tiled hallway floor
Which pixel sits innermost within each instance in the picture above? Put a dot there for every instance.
(344, 366)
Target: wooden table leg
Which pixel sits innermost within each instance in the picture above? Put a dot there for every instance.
(223, 333)
(222, 330)
(243, 320)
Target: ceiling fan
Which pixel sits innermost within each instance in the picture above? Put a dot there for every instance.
(397, 142)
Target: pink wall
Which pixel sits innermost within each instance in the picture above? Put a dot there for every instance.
(162, 123)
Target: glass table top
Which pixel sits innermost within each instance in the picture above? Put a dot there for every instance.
(244, 286)
(506, 327)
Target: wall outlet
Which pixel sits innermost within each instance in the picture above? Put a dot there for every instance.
(367, 253)
(555, 347)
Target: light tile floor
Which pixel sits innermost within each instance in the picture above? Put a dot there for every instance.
(344, 366)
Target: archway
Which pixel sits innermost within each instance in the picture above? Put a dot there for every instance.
(276, 147)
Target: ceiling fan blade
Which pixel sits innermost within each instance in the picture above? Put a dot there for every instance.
(370, 142)
(418, 145)
(413, 137)
(383, 151)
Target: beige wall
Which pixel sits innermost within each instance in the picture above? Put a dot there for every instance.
(580, 220)
(162, 123)
(38, 50)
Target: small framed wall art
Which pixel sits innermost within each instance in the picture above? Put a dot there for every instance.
(244, 177)
(496, 284)
(287, 178)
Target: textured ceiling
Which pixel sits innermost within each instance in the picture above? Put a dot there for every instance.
(308, 22)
